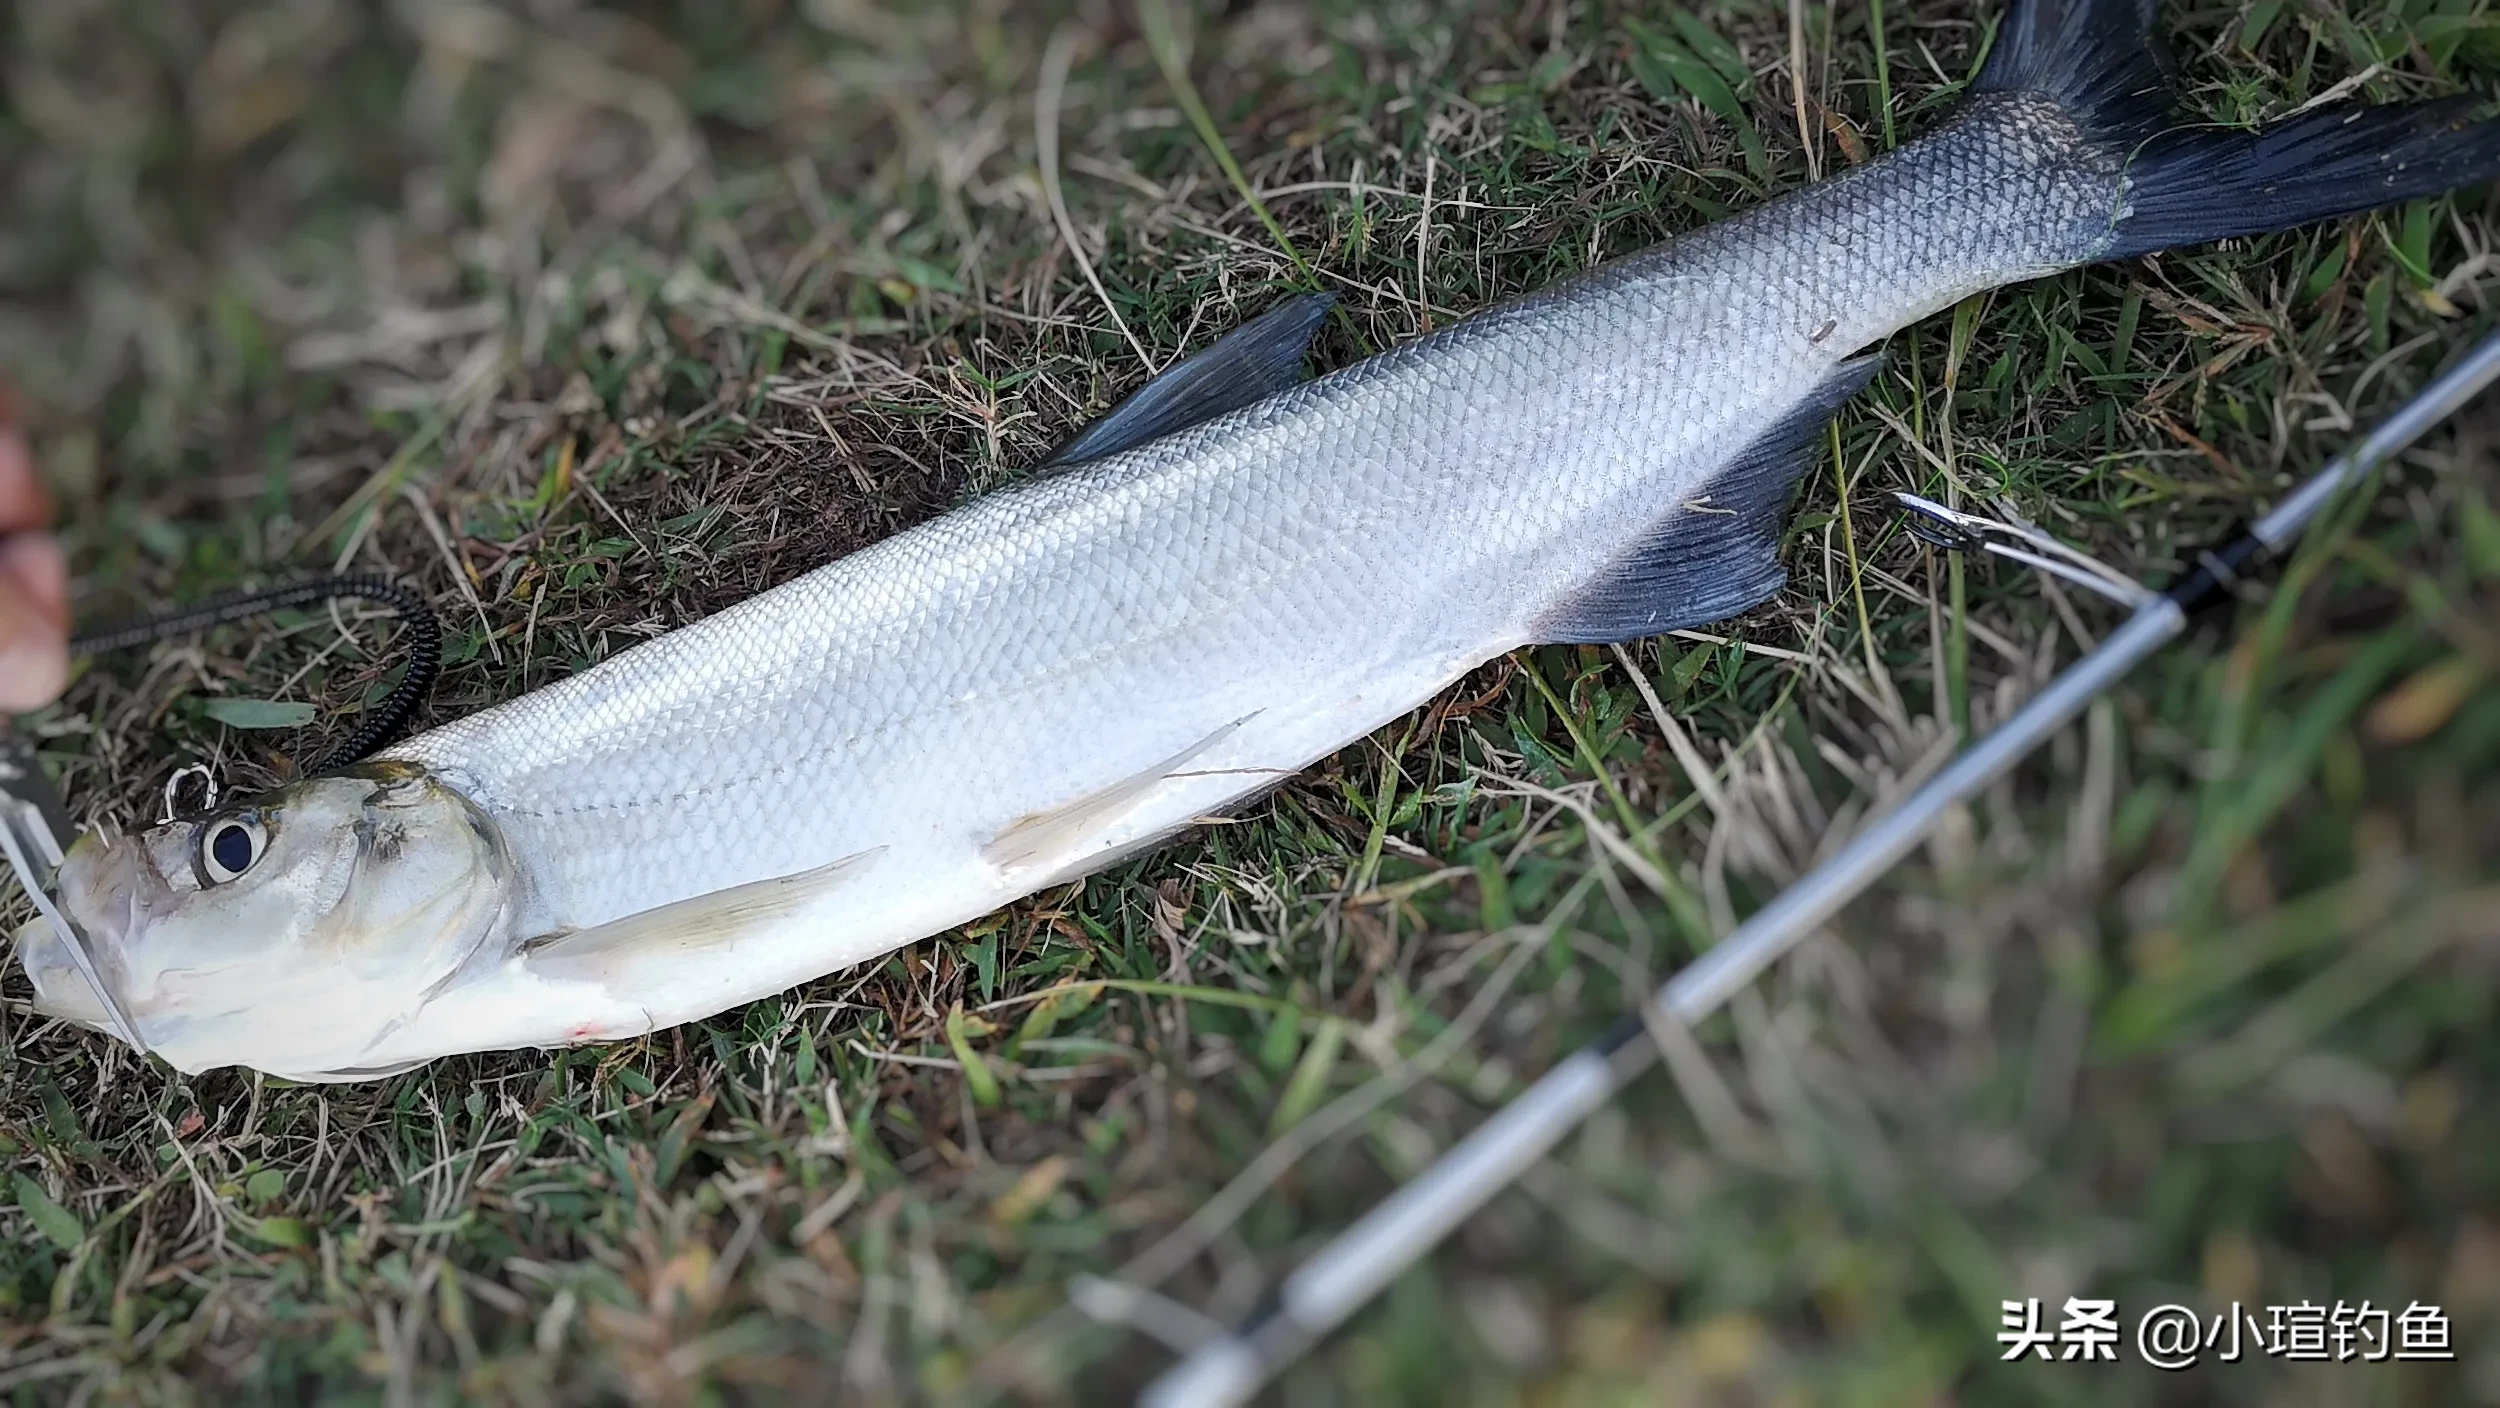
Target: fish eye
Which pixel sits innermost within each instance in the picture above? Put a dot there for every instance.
(228, 847)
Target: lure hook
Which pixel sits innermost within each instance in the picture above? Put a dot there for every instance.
(1960, 531)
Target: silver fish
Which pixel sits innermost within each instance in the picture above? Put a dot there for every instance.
(1234, 574)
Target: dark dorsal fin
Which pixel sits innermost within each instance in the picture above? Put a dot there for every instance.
(1263, 356)
(1716, 554)
(2102, 61)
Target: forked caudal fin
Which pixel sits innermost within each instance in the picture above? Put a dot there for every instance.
(2189, 183)
(2182, 183)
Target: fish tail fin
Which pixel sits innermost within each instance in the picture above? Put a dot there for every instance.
(2187, 184)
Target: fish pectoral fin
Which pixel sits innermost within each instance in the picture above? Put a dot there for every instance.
(704, 922)
(1058, 835)
(1716, 554)
(1268, 354)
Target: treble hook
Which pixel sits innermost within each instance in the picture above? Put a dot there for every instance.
(1958, 531)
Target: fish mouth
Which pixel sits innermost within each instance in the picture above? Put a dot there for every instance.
(61, 989)
(100, 890)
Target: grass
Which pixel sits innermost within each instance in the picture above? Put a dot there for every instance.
(592, 322)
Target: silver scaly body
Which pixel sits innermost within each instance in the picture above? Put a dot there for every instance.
(1244, 597)
(1231, 575)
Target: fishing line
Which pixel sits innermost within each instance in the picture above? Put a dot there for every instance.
(1346, 1273)
(381, 723)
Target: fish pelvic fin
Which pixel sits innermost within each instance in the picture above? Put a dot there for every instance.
(1716, 554)
(2187, 183)
(1268, 354)
(1071, 833)
(704, 923)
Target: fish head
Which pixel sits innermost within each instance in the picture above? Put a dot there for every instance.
(288, 931)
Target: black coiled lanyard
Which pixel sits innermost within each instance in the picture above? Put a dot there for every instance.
(382, 723)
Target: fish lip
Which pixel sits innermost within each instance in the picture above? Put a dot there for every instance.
(101, 888)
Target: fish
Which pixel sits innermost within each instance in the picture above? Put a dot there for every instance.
(1238, 570)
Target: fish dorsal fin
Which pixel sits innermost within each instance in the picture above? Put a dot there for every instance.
(1716, 554)
(711, 921)
(1066, 834)
(1263, 356)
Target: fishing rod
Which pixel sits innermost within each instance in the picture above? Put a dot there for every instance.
(1403, 1228)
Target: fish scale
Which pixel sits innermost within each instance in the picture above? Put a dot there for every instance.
(1217, 585)
(970, 666)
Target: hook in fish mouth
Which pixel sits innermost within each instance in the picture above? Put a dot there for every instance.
(34, 833)
(53, 926)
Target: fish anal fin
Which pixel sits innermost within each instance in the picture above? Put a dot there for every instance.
(705, 922)
(1268, 354)
(347, 1074)
(1057, 836)
(1716, 554)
